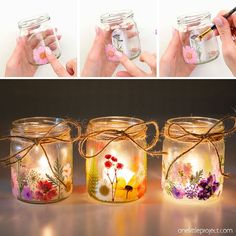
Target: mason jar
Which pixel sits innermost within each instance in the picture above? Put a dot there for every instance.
(123, 34)
(196, 50)
(193, 175)
(38, 33)
(38, 177)
(119, 173)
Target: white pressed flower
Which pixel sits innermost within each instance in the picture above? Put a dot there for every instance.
(103, 191)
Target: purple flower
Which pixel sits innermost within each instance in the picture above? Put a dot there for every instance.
(191, 191)
(207, 187)
(178, 193)
(26, 193)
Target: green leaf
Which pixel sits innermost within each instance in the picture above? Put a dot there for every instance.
(195, 179)
(169, 187)
(52, 180)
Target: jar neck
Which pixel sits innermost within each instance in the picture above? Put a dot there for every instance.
(36, 127)
(132, 126)
(117, 17)
(33, 22)
(181, 128)
(195, 19)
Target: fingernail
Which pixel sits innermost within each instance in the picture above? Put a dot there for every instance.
(98, 30)
(118, 54)
(218, 21)
(48, 51)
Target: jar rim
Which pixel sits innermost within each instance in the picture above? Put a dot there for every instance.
(119, 123)
(194, 17)
(39, 126)
(116, 16)
(193, 124)
(33, 21)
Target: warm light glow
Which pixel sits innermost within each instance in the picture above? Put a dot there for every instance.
(195, 162)
(43, 165)
(126, 174)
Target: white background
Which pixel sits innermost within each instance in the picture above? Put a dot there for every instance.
(63, 14)
(169, 12)
(145, 15)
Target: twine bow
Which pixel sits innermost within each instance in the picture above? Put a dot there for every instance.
(47, 138)
(113, 135)
(209, 137)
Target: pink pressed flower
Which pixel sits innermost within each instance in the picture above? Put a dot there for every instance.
(14, 183)
(40, 56)
(190, 55)
(111, 53)
(187, 169)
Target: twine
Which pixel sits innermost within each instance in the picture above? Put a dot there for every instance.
(112, 135)
(209, 137)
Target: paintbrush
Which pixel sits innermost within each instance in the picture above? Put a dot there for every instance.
(226, 16)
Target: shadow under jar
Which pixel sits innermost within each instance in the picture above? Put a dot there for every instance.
(38, 34)
(196, 175)
(119, 173)
(195, 50)
(37, 177)
(124, 35)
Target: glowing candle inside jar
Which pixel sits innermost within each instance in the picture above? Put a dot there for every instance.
(41, 175)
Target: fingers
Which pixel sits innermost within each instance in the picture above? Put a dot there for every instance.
(56, 65)
(173, 46)
(98, 45)
(71, 67)
(131, 68)
(123, 74)
(150, 59)
(224, 30)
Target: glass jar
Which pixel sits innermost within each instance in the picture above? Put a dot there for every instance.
(124, 35)
(196, 175)
(37, 177)
(195, 50)
(38, 34)
(119, 172)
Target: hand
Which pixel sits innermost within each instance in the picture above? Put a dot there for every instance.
(71, 66)
(172, 63)
(132, 70)
(19, 63)
(226, 28)
(97, 63)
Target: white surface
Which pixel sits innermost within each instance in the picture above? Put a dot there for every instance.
(63, 14)
(170, 10)
(145, 15)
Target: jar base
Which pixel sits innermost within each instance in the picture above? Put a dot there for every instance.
(41, 202)
(210, 60)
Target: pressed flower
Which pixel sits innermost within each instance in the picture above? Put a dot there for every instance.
(66, 170)
(103, 191)
(46, 191)
(190, 55)
(207, 187)
(14, 183)
(40, 56)
(111, 53)
(27, 193)
(108, 156)
(108, 164)
(178, 192)
(114, 159)
(119, 166)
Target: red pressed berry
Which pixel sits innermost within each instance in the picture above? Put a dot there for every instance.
(108, 156)
(108, 164)
(114, 159)
(119, 166)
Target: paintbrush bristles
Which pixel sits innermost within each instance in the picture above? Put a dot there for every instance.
(204, 33)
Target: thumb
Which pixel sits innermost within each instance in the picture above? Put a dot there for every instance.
(173, 46)
(56, 65)
(224, 30)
